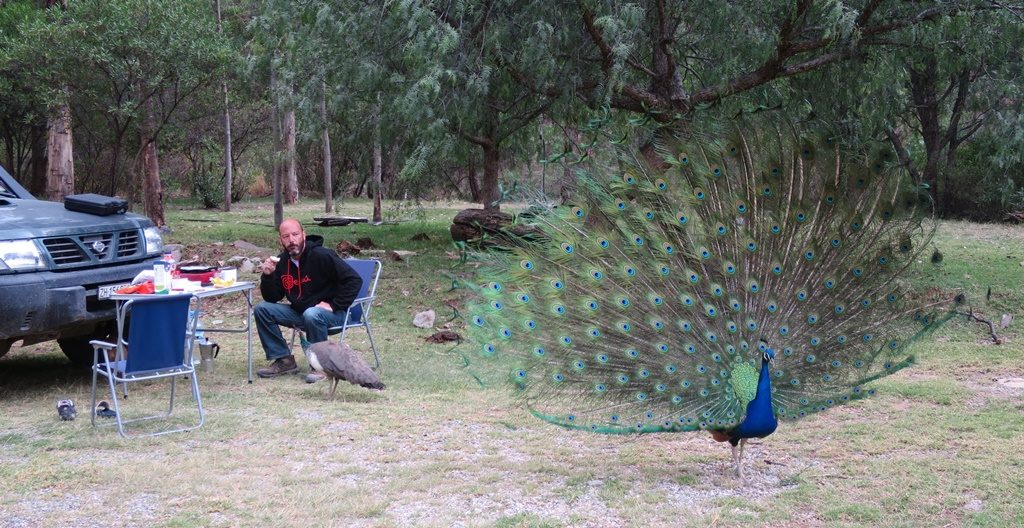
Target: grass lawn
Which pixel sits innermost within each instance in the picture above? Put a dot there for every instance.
(941, 445)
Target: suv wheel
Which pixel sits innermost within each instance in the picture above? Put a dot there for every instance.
(77, 348)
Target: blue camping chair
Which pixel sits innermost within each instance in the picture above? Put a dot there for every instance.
(358, 315)
(156, 348)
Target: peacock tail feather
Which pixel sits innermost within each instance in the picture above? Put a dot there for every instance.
(640, 307)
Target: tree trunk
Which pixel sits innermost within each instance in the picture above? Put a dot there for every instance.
(489, 187)
(292, 181)
(474, 184)
(60, 167)
(328, 187)
(153, 193)
(228, 160)
(276, 158)
(923, 92)
(37, 185)
(377, 169)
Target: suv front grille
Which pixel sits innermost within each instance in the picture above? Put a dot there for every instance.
(92, 248)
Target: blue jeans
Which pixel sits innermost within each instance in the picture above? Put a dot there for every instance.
(271, 316)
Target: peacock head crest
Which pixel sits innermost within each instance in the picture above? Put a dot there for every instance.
(767, 354)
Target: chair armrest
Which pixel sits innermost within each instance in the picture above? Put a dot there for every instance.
(96, 343)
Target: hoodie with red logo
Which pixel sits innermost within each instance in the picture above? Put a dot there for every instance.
(320, 275)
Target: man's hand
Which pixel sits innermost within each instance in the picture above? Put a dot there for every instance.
(268, 265)
(325, 305)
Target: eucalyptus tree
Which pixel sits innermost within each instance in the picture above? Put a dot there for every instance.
(130, 63)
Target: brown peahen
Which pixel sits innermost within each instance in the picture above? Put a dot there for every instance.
(720, 285)
(339, 362)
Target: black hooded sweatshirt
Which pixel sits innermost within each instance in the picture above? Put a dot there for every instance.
(320, 275)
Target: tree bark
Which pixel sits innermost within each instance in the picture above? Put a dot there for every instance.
(489, 188)
(37, 185)
(228, 159)
(60, 167)
(292, 182)
(153, 193)
(923, 93)
(474, 184)
(377, 170)
(328, 184)
(275, 130)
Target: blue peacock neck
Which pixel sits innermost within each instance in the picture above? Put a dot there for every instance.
(760, 420)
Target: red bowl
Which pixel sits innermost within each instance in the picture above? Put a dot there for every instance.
(203, 277)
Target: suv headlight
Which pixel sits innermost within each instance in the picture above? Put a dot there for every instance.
(20, 255)
(154, 242)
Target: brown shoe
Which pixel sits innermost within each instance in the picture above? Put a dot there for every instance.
(281, 365)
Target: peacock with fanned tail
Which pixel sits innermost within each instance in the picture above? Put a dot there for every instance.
(721, 284)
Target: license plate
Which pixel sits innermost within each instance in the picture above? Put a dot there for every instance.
(104, 292)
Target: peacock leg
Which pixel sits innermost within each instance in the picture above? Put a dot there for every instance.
(739, 461)
(334, 387)
(736, 461)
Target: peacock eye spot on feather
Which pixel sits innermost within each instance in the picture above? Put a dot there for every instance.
(815, 341)
(496, 305)
(830, 199)
(677, 399)
(638, 240)
(559, 377)
(559, 309)
(894, 344)
(865, 303)
(800, 217)
(597, 274)
(858, 364)
(754, 287)
(477, 320)
(716, 357)
(835, 242)
(772, 307)
(624, 302)
(809, 255)
(600, 387)
(751, 246)
(777, 269)
(711, 337)
(839, 309)
(521, 374)
(594, 332)
(892, 297)
(751, 325)
(496, 286)
(766, 191)
(787, 351)
(668, 248)
(641, 396)
(661, 185)
(705, 393)
(531, 324)
(614, 418)
(836, 363)
(715, 382)
(687, 300)
(523, 298)
(776, 229)
(867, 337)
(705, 254)
(735, 305)
(592, 305)
(602, 358)
(856, 226)
(625, 327)
(671, 369)
(565, 340)
(717, 171)
(694, 278)
(830, 283)
(579, 365)
(567, 247)
(526, 265)
(776, 171)
(699, 195)
(488, 348)
(656, 301)
(684, 159)
(620, 205)
(604, 244)
(783, 330)
(691, 348)
(801, 295)
(722, 230)
(505, 332)
(539, 352)
(685, 326)
(629, 179)
(662, 347)
(577, 212)
(857, 272)
(794, 382)
(557, 284)
(741, 208)
(664, 270)
(685, 384)
(732, 327)
(649, 215)
(622, 378)
(630, 271)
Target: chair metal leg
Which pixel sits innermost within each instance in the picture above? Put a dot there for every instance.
(372, 345)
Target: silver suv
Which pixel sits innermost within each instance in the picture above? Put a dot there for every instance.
(57, 268)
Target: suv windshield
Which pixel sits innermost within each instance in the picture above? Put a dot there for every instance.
(5, 192)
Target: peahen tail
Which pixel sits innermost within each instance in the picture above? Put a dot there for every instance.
(639, 308)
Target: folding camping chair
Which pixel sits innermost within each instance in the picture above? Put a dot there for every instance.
(156, 348)
(358, 315)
